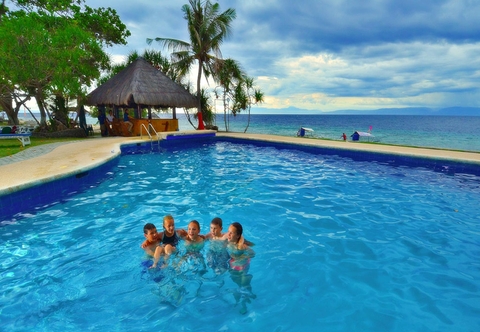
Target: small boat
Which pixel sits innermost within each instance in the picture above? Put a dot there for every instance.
(305, 132)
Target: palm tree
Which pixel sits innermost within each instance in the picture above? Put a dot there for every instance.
(254, 96)
(208, 28)
(243, 96)
(228, 75)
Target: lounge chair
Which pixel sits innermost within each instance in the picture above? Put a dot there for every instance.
(7, 134)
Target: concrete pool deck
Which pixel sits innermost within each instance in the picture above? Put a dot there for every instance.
(50, 162)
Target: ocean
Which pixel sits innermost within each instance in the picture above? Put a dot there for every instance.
(447, 132)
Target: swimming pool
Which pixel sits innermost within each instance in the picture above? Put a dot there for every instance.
(340, 245)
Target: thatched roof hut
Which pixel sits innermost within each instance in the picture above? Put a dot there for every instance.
(141, 85)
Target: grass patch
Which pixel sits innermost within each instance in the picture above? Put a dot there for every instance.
(9, 147)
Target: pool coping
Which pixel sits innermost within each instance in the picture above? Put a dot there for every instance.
(76, 157)
(421, 152)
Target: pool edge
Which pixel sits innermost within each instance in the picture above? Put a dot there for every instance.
(78, 157)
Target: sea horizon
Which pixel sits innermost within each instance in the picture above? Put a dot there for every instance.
(432, 131)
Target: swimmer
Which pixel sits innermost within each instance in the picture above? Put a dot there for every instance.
(151, 245)
(193, 259)
(216, 227)
(151, 238)
(193, 240)
(168, 238)
(240, 252)
(216, 230)
(217, 255)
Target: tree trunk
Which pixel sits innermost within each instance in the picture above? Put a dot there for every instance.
(201, 126)
(12, 117)
(248, 121)
(6, 104)
(225, 112)
(41, 108)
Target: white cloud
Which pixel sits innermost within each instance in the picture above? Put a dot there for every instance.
(322, 54)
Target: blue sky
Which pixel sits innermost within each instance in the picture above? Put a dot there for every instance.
(332, 55)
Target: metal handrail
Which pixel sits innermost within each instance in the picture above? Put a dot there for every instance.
(148, 132)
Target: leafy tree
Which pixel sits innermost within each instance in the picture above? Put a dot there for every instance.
(236, 90)
(250, 95)
(54, 48)
(3, 10)
(207, 28)
(228, 75)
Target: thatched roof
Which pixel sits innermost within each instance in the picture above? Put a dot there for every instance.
(141, 84)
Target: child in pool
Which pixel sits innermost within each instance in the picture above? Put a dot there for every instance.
(216, 228)
(170, 236)
(217, 255)
(240, 252)
(152, 242)
(193, 240)
(168, 239)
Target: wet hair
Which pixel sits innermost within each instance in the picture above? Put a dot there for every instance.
(167, 217)
(217, 221)
(196, 223)
(148, 227)
(238, 228)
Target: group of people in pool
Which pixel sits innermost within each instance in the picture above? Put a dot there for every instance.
(163, 244)
(228, 251)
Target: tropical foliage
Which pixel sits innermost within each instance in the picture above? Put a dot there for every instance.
(208, 28)
(52, 50)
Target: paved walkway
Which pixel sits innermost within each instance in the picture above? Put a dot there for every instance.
(50, 162)
(31, 153)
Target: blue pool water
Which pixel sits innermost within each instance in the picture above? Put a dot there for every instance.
(340, 245)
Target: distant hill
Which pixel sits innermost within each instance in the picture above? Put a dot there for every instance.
(458, 111)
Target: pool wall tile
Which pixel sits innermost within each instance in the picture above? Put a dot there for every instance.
(48, 193)
(438, 165)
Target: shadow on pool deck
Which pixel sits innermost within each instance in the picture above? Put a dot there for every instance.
(54, 161)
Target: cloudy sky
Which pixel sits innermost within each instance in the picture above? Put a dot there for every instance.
(337, 54)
